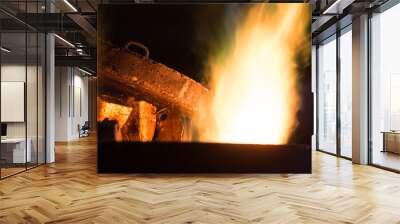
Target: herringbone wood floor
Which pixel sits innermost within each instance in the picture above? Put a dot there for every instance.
(70, 191)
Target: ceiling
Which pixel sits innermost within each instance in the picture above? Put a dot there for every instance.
(75, 21)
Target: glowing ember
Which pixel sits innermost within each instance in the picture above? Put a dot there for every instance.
(113, 111)
(253, 86)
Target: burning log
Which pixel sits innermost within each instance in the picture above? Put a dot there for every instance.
(141, 123)
(170, 126)
(113, 111)
(126, 73)
(142, 86)
(135, 122)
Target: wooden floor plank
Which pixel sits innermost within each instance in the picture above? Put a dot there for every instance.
(71, 191)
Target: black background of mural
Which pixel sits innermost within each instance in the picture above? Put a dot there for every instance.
(181, 37)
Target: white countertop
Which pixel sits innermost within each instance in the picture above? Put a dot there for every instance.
(13, 140)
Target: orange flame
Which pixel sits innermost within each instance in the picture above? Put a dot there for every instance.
(254, 96)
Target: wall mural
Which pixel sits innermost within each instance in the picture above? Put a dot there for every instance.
(205, 88)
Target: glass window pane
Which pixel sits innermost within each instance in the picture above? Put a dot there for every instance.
(23, 90)
(327, 96)
(385, 88)
(346, 94)
(14, 153)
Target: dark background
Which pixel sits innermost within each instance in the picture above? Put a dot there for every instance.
(181, 36)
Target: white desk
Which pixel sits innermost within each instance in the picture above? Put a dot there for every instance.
(18, 145)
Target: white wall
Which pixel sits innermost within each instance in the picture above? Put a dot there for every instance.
(71, 102)
(12, 73)
(80, 110)
(62, 81)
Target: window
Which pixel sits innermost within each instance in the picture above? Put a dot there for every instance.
(346, 92)
(334, 137)
(327, 95)
(385, 89)
(22, 77)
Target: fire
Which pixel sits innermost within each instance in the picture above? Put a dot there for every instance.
(254, 94)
